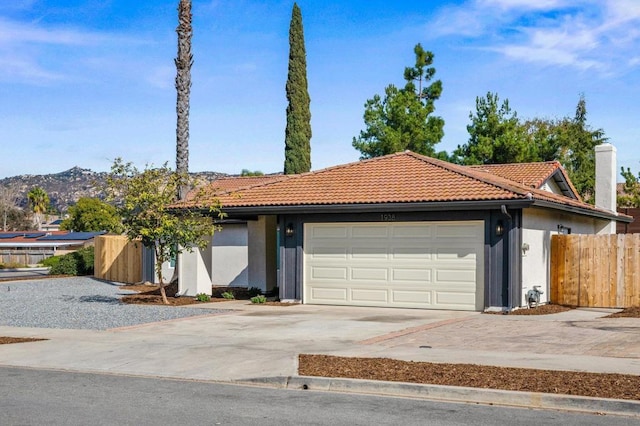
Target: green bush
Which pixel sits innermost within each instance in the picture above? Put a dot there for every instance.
(259, 299)
(203, 297)
(228, 295)
(254, 291)
(77, 263)
(50, 262)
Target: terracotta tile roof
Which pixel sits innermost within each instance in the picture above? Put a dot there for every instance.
(397, 178)
(235, 183)
(528, 174)
(533, 175)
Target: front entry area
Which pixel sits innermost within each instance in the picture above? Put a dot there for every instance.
(427, 265)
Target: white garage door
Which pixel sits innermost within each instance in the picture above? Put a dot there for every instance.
(429, 265)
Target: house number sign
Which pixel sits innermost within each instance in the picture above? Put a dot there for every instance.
(388, 217)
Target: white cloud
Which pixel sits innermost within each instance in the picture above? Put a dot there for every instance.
(24, 69)
(583, 34)
(12, 32)
(523, 4)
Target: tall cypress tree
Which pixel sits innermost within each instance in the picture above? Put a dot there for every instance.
(297, 149)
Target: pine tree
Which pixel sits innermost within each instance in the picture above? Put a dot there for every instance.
(297, 149)
(403, 118)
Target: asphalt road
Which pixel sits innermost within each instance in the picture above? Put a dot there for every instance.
(10, 275)
(34, 397)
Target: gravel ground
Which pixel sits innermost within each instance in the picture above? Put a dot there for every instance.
(78, 303)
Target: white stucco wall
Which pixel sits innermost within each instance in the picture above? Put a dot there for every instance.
(194, 269)
(230, 256)
(551, 186)
(537, 227)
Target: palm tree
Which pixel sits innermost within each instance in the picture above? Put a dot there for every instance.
(39, 202)
(183, 62)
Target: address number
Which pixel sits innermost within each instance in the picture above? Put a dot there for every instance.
(388, 217)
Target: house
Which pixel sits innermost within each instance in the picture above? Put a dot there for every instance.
(410, 231)
(32, 247)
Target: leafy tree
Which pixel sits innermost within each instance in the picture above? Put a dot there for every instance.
(403, 120)
(147, 215)
(8, 200)
(19, 220)
(495, 135)
(92, 214)
(297, 139)
(631, 190)
(183, 62)
(577, 142)
(543, 139)
(39, 203)
(247, 172)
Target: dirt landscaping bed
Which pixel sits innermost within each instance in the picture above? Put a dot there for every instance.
(618, 386)
(6, 340)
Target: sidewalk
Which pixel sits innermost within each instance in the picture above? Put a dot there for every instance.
(260, 344)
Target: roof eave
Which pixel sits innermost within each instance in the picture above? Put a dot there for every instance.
(601, 214)
(378, 207)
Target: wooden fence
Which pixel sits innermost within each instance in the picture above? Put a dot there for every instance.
(595, 270)
(117, 259)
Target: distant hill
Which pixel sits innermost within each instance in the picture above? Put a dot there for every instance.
(66, 188)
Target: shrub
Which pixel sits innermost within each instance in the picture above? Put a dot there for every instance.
(228, 295)
(50, 262)
(203, 297)
(77, 263)
(254, 291)
(259, 299)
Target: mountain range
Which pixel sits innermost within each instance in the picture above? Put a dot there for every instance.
(66, 188)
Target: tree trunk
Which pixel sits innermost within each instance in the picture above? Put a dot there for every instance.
(183, 62)
(161, 283)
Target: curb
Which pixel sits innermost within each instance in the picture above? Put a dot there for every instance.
(454, 393)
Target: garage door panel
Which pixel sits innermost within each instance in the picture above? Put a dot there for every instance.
(329, 253)
(369, 295)
(369, 253)
(369, 274)
(329, 294)
(359, 231)
(454, 298)
(412, 231)
(411, 253)
(412, 297)
(427, 265)
(328, 273)
(421, 276)
(457, 230)
(467, 277)
(330, 232)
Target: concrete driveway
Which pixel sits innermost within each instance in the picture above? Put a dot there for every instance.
(254, 341)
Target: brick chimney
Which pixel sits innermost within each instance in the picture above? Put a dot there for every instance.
(606, 173)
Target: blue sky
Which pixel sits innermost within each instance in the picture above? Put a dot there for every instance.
(85, 81)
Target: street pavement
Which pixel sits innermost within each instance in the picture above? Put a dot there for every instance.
(259, 344)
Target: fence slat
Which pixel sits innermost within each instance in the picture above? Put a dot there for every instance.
(596, 270)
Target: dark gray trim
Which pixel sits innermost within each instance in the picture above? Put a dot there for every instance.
(585, 212)
(376, 207)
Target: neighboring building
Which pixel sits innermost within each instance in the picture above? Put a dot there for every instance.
(632, 227)
(410, 231)
(32, 247)
(52, 225)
